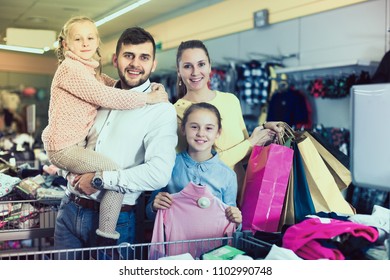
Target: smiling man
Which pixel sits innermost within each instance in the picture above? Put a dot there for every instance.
(141, 141)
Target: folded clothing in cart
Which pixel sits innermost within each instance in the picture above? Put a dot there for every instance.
(28, 188)
(32, 188)
(7, 184)
(224, 252)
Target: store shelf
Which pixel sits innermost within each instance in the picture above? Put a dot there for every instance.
(314, 67)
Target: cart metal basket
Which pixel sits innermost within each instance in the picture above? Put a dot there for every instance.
(28, 220)
(240, 240)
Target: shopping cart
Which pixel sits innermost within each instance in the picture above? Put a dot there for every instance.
(32, 220)
(240, 240)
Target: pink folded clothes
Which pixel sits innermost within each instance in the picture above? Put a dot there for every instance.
(303, 238)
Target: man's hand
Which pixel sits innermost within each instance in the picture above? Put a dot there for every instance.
(82, 184)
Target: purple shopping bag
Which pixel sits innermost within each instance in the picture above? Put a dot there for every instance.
(265, 184)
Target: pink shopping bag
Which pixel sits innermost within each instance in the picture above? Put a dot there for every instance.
(266, 181)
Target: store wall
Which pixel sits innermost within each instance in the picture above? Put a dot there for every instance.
(337, 37)
(341, 36)
(16, 82)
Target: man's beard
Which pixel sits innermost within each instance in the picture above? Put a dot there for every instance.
(133, 83)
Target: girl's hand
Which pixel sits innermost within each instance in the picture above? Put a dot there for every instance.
(157, 96)
(50, 169)
(163, 200)
(233, 214)
(157, 86)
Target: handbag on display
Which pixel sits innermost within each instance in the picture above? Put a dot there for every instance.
(266, 181)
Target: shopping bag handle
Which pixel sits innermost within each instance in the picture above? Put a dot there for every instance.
(287, 135)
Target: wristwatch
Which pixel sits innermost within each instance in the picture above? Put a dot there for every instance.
(97, 181)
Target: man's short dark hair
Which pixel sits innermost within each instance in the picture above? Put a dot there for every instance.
(135, 36)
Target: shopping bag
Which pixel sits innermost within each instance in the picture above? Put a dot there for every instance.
(298, 202)
(302, 200)
(339, 171)
(324, 190)
(265, 183)
(336, 152)
(287, 216)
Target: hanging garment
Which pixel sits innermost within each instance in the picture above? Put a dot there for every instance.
(253, 82)
(194, 214)
(217, 79)
(290, 106)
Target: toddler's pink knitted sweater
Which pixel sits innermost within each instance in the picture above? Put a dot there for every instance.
(75, 96)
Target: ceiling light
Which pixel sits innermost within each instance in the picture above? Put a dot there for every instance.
(37, 19)
(98, 23)
(121, 12)
(21, 49)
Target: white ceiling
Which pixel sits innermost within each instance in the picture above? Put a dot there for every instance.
(52, 14)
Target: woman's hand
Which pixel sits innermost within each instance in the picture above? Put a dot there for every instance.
(163, 200)
(266, 133)
(278, 128)
(233, 214)
(261, 136)
(274, 126)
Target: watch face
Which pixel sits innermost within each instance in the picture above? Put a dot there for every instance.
(97, 182)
